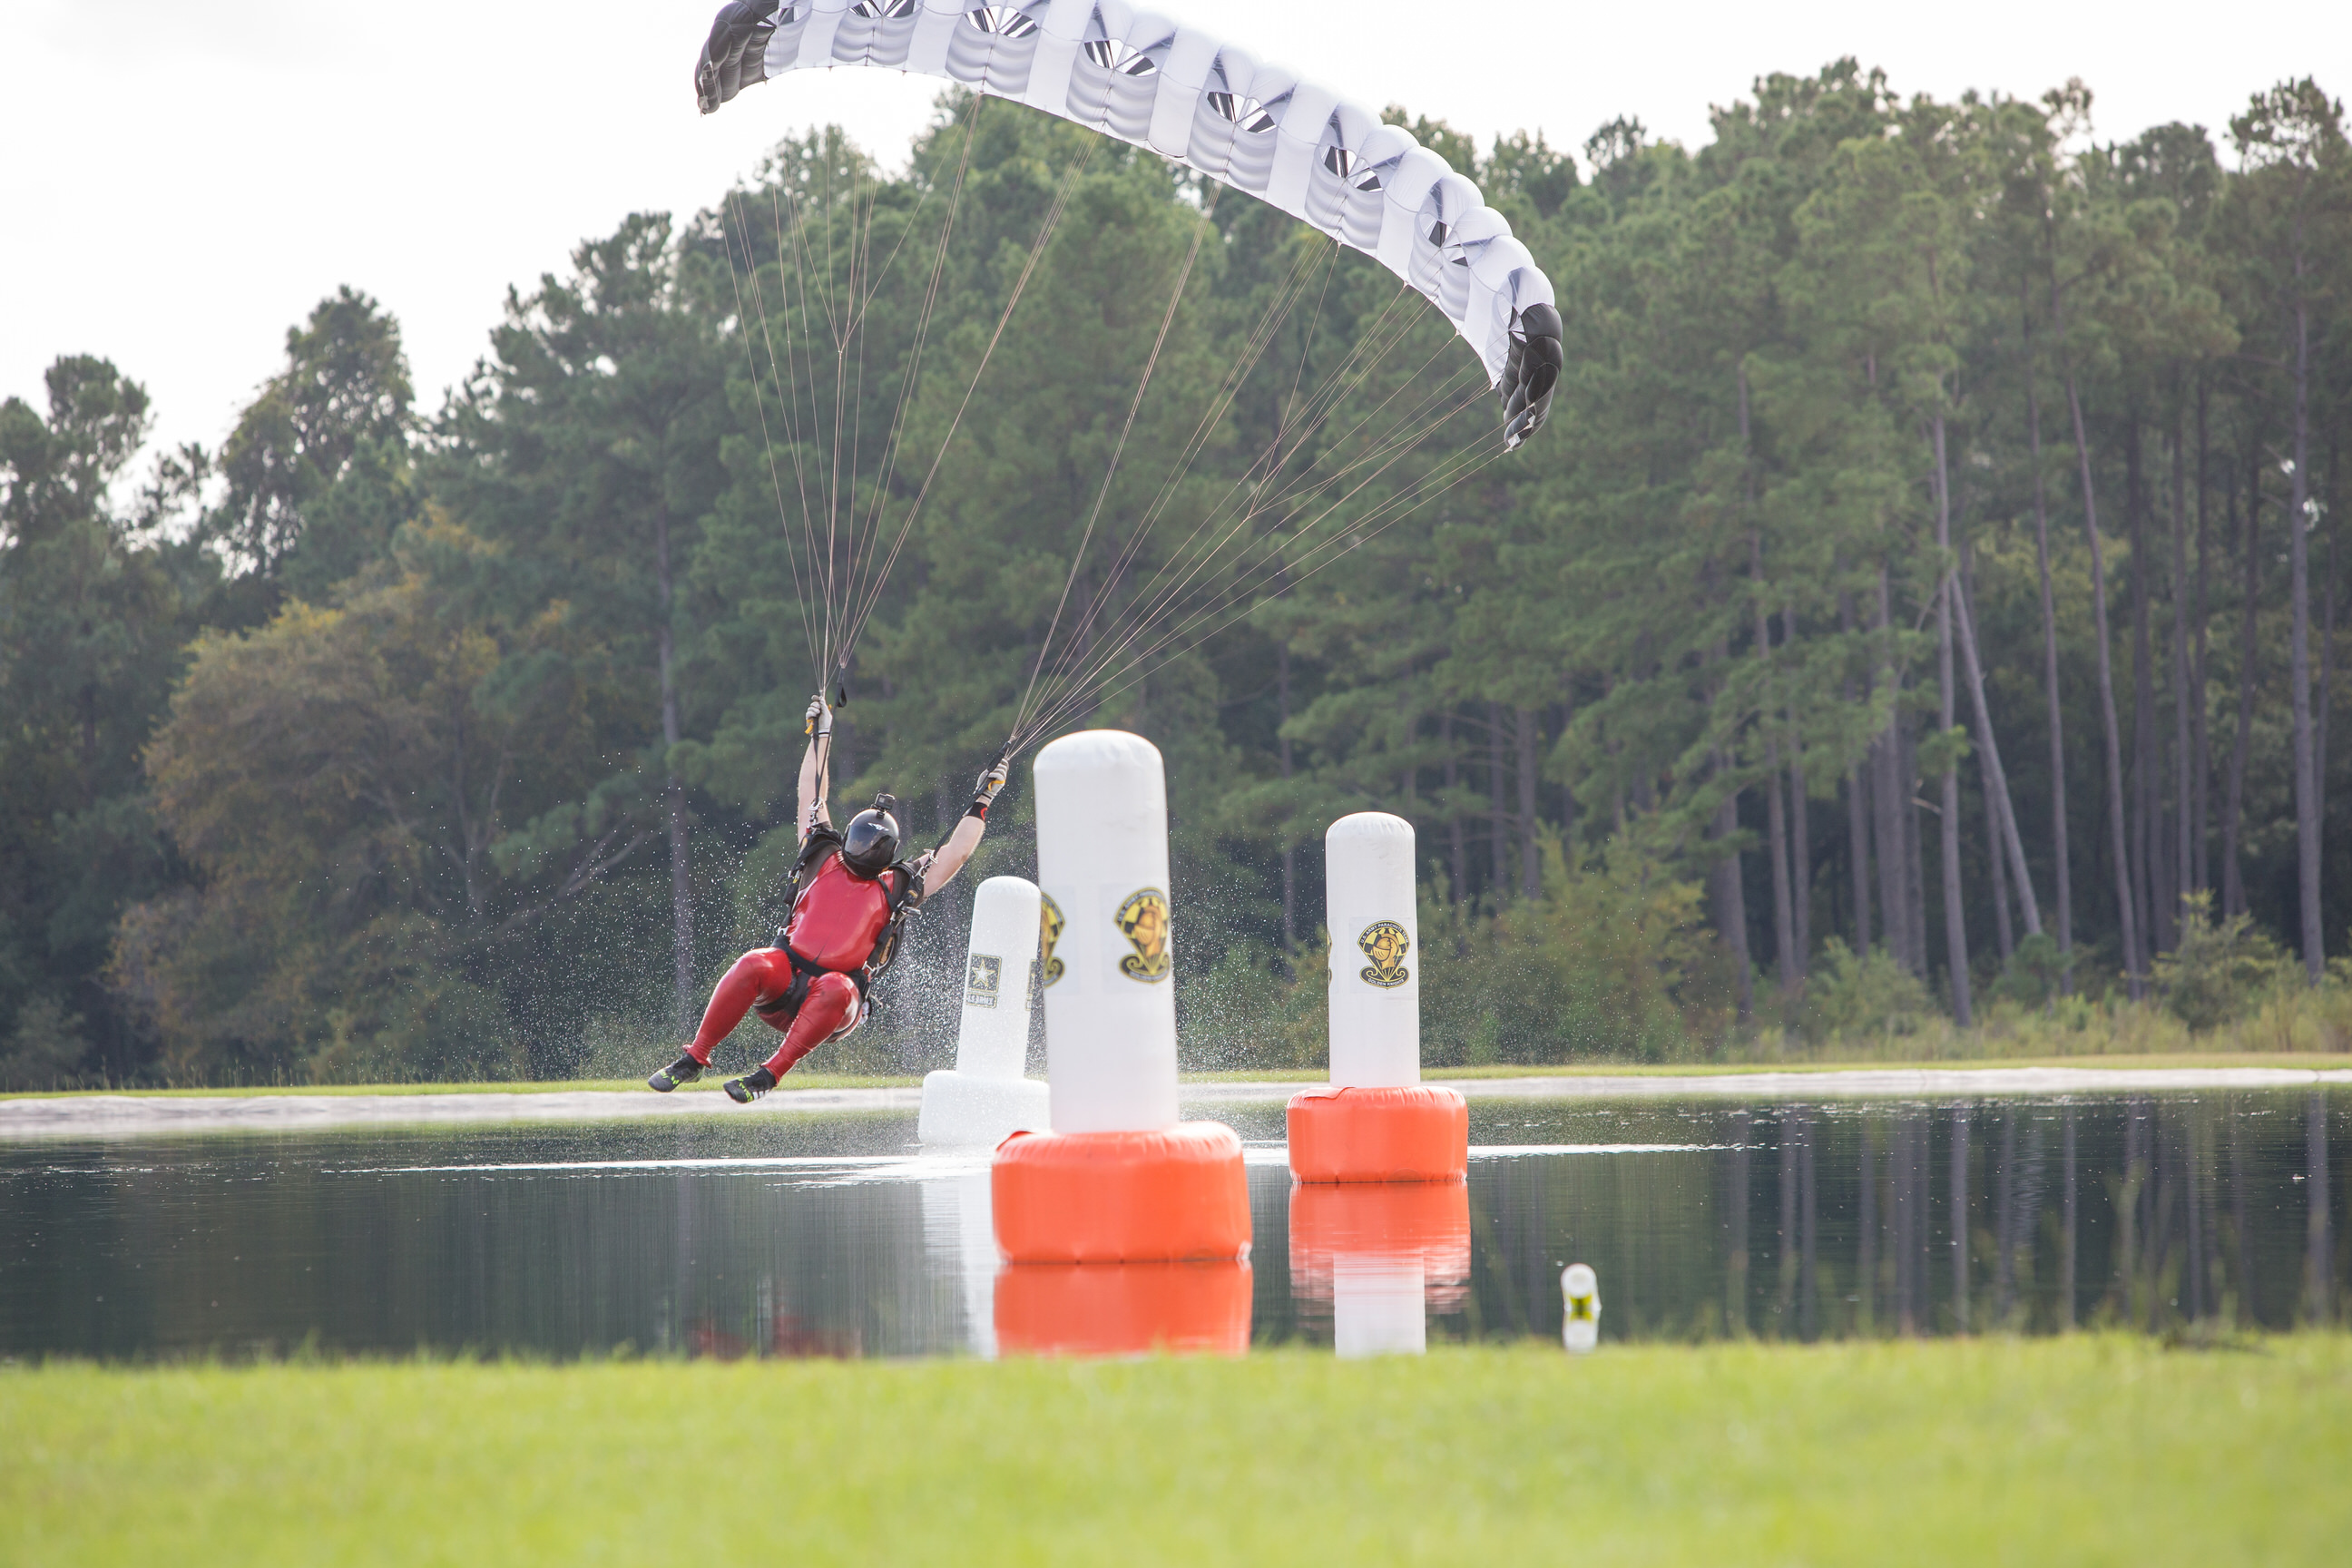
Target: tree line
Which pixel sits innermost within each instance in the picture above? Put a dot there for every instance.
(1925, 588)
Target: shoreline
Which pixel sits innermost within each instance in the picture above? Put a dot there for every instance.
(133, 1114)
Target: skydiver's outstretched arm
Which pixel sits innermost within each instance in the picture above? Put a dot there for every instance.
(816, 768)
(938, 868)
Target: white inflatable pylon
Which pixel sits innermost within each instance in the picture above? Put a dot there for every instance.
(1579, 1290)
(1375, 1121)
(1375, 951)
(1109, 961)
(983, 1100)
(1118, 1179)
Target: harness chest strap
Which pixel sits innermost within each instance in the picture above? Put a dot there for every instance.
(903, 899)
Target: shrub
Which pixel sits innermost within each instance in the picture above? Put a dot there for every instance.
(45, 1049)
(1868, 994)
(2218, 969)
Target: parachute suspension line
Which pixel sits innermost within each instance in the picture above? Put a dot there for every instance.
(1307, 349)
(760, 402)
(1052, 218)
(783, 367)
(1338, 390)
(868, 535)
(1097, 667)
(1244, 360)
(844, 308)
(821, 565)
(1119, 449)
(1095, 683)
(1407, 425)
(1203, 557)
(1097, 661)
(1467, 466)
(836, 288)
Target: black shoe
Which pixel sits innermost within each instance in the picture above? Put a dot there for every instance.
(686, 1069)
(751, 1085)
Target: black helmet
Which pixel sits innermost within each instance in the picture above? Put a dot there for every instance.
(871, 844)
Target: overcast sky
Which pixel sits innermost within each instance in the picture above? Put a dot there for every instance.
(181, 180)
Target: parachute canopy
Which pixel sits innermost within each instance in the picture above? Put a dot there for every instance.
(1138, 77)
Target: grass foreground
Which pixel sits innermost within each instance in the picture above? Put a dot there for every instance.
(2088, 1450)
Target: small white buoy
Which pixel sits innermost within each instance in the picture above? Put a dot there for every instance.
(1580, 1291)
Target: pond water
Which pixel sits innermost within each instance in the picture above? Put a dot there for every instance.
(791, 1235)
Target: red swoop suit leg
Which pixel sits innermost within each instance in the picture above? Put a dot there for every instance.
(832, 1001)
(760, 978)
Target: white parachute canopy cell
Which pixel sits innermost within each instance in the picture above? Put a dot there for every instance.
(1212, 108)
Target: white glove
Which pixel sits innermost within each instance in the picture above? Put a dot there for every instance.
(820, 717)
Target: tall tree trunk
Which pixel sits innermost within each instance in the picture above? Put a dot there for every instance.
(2143, 835)
(2326, 661)
(1499, 840)
(1801, 848)
(2298, 518)
(1458, 853)
(2200, 727)
(1891, 796)
(1530, 866)
(2004, 934)
(1776, 822)
(2146, 779)
(1857, 810)
(2062, 858)
(1566, 793)
(1915, 851)
(2233, 805)
(1991, 786)
(2183, 806)
(1731, 902)
(681, 875)
(1956, 931)
(2134, 966)
(2000, 809)
(1282, 754)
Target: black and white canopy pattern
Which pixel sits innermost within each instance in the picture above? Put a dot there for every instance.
(1210, 106)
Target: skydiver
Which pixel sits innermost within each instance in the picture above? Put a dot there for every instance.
(851, 893)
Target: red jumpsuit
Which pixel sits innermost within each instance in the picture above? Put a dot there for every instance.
(834, 924)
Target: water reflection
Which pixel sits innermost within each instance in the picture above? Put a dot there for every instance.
(1375, 1260)
(777, 1236)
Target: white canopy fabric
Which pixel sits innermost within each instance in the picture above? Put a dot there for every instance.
(1210, 106)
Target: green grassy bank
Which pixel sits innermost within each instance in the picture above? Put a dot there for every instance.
(1666, 1070)
(2091, 1450)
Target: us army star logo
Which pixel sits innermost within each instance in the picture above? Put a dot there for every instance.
(1049, 931)
(1143, 920)
(1385, 943)
(979, 981)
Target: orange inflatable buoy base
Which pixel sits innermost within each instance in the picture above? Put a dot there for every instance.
(1409, 1132)
(1123, 1308)
(1122, 1197)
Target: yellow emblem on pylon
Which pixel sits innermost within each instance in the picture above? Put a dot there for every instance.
(1049, 931)
(1143, 920)
(1385, 943)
